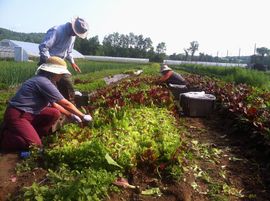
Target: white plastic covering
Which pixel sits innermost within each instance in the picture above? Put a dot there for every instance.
(176, 62)
(138, 72)
(116, 59)
(20, 54)
(115, 78)
(30, 48)
(198, 95)
(6, 52)
(177, 86)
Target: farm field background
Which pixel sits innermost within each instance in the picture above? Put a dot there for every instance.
(138, 133)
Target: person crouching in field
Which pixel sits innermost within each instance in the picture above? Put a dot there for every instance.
(36, 107)
(170, 77)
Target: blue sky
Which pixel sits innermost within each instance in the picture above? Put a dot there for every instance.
(219, 26)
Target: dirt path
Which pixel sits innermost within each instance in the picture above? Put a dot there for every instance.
(243, 163)
(10, 182)
(7, 174)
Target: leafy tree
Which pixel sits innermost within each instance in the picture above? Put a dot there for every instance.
(94, 45)
(160, 52)
(263, 51)
(186, 54)
(114, 44)
(126, 45)
(161, 48)
(175, 56)
(194, 46)
(82, 45)
(260, 61)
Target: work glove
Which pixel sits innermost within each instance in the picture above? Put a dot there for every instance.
(87, 118)
(74, 118)
(75, 67)
(77, 93)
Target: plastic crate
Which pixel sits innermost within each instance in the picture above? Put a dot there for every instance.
(197, 104)
(177, 90)
(82, 100)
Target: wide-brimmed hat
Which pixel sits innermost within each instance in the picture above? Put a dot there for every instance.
(54, 65)
(164, 68)
(80, 27)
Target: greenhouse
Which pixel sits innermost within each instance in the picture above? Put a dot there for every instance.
(21, 51)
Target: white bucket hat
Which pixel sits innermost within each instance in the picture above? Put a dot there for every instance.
(80, 27)
(54, 65)
(164, 68)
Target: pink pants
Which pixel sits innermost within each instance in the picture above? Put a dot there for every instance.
(22, 129)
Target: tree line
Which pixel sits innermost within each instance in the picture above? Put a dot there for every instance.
(26, 37)
(138, 46)
(122, 45)
(115, 44)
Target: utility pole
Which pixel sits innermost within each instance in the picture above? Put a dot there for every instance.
(239, 56)
(255, 49)
(217, 57)
(227, 57)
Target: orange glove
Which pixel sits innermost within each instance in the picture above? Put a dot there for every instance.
(75, 67)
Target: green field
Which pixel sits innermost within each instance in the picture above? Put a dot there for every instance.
(136, 127)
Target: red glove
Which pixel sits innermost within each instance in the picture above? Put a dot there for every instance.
(75, 67)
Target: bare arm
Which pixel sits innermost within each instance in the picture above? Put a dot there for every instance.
(67, 108)
(166, 76)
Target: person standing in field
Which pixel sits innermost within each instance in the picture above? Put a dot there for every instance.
(36, 106)
(171, 77)
(59, 41)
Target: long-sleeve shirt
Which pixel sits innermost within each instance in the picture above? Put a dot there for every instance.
(58, 41)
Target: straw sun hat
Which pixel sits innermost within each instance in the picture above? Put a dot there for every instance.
(54, 65)
(164, 68)
(80, 27)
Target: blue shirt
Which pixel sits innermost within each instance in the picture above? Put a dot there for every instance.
(35, 94)
(58, 41)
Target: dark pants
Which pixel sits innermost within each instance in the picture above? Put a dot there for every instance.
(22, 129)
(65, 85)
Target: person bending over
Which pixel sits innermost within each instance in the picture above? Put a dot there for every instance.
(171, 77)
(59, 41)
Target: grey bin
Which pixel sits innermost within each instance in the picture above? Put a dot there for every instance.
(197, 104)
(177, 90)
(82, 100)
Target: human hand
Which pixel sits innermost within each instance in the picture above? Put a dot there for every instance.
(74, 118)
(76, 67)
(87, 118)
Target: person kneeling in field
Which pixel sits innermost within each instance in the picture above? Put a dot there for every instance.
(36, 107)
(171, 77)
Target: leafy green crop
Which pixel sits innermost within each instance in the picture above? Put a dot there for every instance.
(83, 162)
(68, 185)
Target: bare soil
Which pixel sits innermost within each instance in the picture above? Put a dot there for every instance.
(244, 154)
